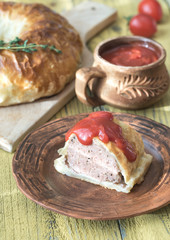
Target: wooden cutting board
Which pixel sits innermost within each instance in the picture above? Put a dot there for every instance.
(16, 121)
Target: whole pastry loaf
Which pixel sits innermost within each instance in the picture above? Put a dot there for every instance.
(105, 151)
(25, 77)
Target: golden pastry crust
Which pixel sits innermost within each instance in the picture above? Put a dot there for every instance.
(132, 172)
(25, 77)
(135, 139)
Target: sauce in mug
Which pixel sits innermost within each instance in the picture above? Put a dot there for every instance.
(132, 54)
(101, 125)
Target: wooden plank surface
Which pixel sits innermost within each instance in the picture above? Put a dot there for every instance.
(20, 218)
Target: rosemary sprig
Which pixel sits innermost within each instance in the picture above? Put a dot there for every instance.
(16, 46)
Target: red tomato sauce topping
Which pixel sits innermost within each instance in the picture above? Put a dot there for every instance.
(101, 125)
(132, 54)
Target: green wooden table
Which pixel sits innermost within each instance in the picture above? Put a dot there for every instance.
(21, 218)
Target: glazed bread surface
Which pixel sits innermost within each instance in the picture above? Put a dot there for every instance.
(25, 77)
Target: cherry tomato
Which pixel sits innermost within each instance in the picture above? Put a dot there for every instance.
(152, 8)
(143, 25)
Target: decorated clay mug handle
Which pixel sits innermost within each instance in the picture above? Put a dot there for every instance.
(83, 77)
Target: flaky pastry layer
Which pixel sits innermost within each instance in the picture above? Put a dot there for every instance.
(25, 77)
(132, 172)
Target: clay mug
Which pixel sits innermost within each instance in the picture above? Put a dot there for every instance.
(130, 87)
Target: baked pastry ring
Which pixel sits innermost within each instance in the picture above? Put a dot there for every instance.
(105, 164)
(25, 77)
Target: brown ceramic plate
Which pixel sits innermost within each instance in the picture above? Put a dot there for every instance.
(36, 177)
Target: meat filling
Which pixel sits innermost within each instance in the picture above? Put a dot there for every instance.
(92, 160)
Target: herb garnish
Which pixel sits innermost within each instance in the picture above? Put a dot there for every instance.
(16, 46)
(128, 18)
